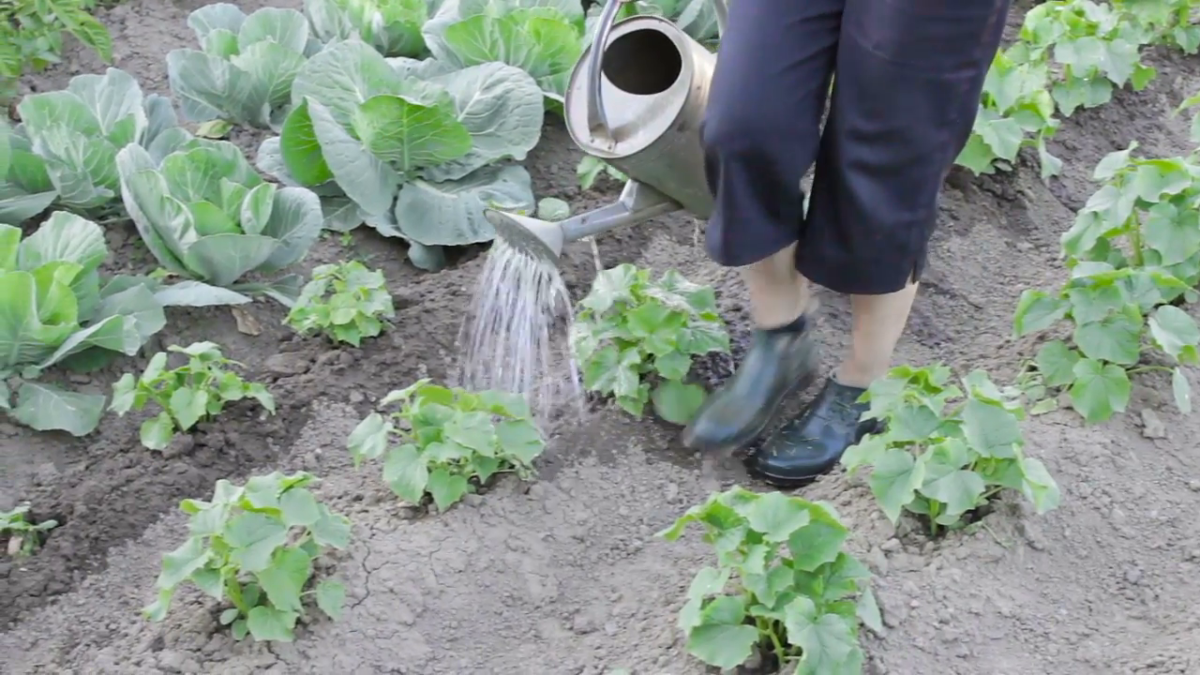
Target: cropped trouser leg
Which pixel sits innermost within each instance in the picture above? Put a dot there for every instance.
(907, 77)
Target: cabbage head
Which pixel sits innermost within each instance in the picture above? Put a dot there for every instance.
(25, 187)
(544, 38)
(244, 68)
(77, 133)
(392, 27)
(206, 215)
(54, 311)
(421, 148)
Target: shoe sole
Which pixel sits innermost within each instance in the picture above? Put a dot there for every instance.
(801, 384)
(785, 481)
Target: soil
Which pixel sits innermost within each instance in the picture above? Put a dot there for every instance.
(564, 575)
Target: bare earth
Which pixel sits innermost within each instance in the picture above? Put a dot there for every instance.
(564, 576)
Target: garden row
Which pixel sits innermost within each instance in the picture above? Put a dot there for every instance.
(367, 133)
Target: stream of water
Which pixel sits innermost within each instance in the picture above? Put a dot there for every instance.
(516, 337)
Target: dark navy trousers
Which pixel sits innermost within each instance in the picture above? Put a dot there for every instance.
(907, 76)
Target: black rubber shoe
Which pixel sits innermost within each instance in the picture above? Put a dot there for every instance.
(780, 362)
(812, 444)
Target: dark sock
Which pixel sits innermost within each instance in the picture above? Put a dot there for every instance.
(796, 326)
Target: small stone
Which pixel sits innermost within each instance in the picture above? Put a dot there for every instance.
(1152, 425)
(1193, 485)
(1133, 575)
(79, 378)
(331, 356)
(1033, 535)
(180, 445)
(891, 545)
(171, 661)
(8, 429)
(287, 363)
(357, 396)
(878, 561)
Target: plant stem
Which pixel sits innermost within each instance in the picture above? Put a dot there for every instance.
(234, 589)
(1148, 369)
(994, 536)
(764, 626)
(1135, 239)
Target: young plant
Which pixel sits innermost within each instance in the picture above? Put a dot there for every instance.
(943, 453)
(1163, 22)
(1143, 215)
(782, 584)
(345, 302)
(1111, 310)
(1095, 45)
(253, 547)
(194, 392)
(31, 36)
(1016, 111)
(442, 439)
(630, 327)
(1134, 253)
(23, 536)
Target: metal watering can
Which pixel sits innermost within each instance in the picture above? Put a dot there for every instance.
(635, 100)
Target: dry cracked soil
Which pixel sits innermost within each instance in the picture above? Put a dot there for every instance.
(563, 575)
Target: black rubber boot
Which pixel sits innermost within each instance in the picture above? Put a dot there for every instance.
(780, 362)
(812, 444)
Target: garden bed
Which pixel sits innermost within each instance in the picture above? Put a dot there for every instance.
(564, 575)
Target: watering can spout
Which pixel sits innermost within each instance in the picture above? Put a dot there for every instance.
(544, 240)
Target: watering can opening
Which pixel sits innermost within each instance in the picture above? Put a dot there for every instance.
(642, 62)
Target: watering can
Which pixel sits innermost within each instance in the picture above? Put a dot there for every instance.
(635, 100)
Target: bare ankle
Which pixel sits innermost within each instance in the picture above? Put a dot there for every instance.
(851, 375)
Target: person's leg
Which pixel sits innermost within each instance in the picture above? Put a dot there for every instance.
(906, 93)
(761, 132)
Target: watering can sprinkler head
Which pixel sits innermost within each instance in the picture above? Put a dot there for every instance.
(544, 240)
(536, 238)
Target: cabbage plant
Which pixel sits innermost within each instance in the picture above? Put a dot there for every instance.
(206, 215)
(77, 133)
(697, 18)
(545, 38)
(54, 310)
(392, 27)
(25, 188)
(417, 146)
(242, 73)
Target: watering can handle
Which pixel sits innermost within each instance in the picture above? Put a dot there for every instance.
(596, 117)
